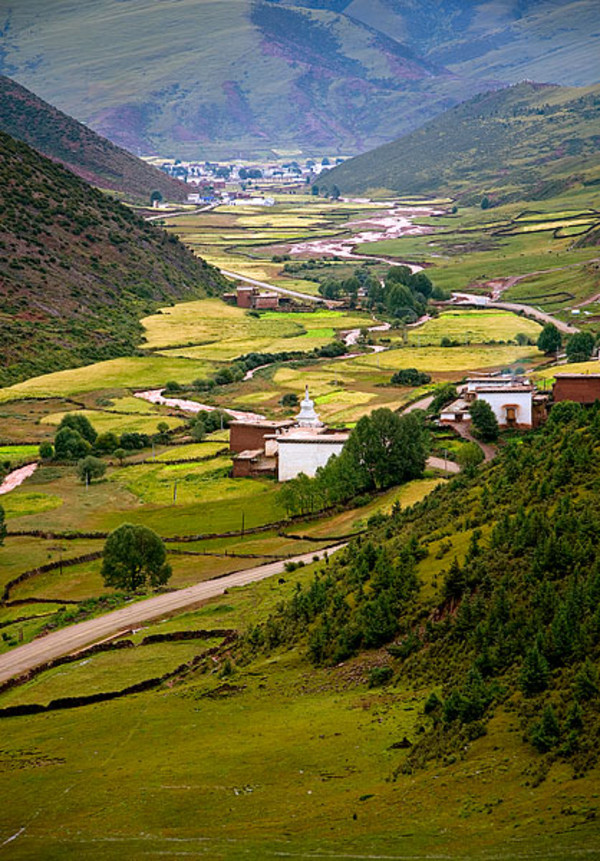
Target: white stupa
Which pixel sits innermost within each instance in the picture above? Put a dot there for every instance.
(307, 417)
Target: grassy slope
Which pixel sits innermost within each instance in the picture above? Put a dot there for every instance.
(310, 77)
(27, 118)
(78, 270)
(523, 138)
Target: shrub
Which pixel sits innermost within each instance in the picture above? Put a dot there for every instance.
(410, 377)
(46, 451)
(290, 399)
(379, 676)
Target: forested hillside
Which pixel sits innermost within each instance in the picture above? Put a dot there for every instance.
(27, 118)
(528, 141)
(77, 269)
(487, 593)
(248, 76)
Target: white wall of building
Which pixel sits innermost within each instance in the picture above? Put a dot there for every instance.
(306, 457)
(499, 401)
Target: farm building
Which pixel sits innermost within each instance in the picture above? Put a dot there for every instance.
(251, 297)
(581, 388)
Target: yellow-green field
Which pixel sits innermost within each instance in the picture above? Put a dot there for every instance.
(118, 424)
(135, 372)
(474, 327)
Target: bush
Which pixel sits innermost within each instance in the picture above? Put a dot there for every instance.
(289, 400)
(379, 676)
(133, 440)
(46, 451)
(107, 442)
(410, 377)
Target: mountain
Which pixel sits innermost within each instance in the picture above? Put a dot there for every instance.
(204, 78)
(519, 141)
(77, 269)
(28, 118)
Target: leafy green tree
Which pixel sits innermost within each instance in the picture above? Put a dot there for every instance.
(133, 556)
(70, 445)
(550, 339)
(566, 412)
(81, 424)
(90, 468)
(387, 449)
(290, 399)
(120, 454)
(46, 451)
(483, 420)
(485, 202)
(580, 347)
(443, 395)
(2, 526)
(156, 195)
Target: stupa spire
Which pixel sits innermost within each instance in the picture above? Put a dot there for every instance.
(307, 417)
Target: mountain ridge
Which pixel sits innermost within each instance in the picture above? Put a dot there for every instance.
(507, 143)
(26, 117)
(197, 80)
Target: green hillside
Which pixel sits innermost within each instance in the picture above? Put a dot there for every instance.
(200, 78)
(77, 269)
(486, 594)
(27, 118)
(529, 140)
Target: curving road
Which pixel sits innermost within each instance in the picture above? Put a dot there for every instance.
(76, 637)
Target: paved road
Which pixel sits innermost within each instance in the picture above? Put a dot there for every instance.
(83, 634)
(528, 310)
(443, 464)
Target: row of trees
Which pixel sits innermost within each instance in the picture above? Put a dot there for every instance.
(579, 347)
(383, 450)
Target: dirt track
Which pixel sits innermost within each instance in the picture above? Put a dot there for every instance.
(83, 634)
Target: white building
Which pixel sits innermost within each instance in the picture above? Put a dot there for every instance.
(511, 401)
(308, 445)
(512, 405)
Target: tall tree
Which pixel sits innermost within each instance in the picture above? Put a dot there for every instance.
(549, 340)
(2, 526)
(485, 424)
(133, 556)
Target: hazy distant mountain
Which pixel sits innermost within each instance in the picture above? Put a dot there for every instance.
(77, 269)
(30, 119)
(520, 141)
(208, 77)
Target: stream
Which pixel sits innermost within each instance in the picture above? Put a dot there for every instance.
(397, 222)
(17, 477)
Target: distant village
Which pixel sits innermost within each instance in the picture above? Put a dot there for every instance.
(232, 182)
